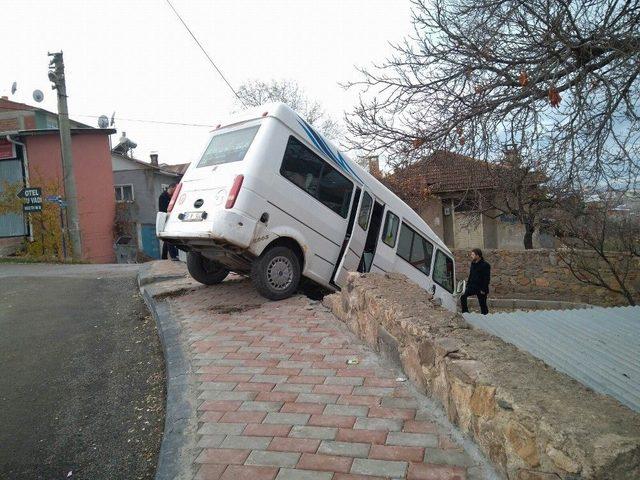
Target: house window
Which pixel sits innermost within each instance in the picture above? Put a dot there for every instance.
(443, 271)
(390, 231)
(415, 249)
(308, 171)
(124, 193)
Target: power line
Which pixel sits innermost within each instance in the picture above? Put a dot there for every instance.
(152, 121)
(204, 51)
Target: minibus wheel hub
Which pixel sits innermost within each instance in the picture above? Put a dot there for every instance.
(280, 273)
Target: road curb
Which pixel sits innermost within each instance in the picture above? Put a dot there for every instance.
(175, 458)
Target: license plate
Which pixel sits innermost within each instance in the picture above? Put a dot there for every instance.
(193, 217)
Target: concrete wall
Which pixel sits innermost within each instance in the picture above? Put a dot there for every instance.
(457, 232)
(538, 274)
(94, 181)
(432, 210)
(147, 187)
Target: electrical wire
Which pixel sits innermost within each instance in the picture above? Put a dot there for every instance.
(152, 121)
(204, 51)
(159, 122)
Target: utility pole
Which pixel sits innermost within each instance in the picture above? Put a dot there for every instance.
(56, 75)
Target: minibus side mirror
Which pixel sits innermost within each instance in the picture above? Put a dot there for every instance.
(460, 287)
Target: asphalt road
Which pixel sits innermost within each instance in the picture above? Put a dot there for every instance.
(81, 374)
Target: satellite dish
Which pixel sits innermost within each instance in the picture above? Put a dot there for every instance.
(103, 121)
(38, 96)
(14, 87)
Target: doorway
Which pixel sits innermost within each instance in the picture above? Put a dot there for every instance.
(372, 239)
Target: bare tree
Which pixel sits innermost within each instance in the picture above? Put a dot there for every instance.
(254, 93)
(559, 79)
(521, 191)
(602, 245)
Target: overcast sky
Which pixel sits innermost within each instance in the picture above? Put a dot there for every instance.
(135, 58)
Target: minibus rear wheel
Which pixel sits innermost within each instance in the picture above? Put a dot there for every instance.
(276, 273)
(204, 270)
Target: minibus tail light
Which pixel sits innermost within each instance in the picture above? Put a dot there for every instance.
(235, 189)
(174, 197)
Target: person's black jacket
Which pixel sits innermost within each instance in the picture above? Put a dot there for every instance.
(479, 277)
(163, 201)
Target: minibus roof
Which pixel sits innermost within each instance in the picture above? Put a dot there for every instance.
(327, 150)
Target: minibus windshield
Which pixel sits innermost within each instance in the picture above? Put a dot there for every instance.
(228, 147)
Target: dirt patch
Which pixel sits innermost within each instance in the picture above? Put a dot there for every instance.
(233, 308)
(174, 293)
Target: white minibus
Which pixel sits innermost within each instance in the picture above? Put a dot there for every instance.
(272, 198)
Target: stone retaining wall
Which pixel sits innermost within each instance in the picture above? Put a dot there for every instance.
(533, 422)
(539, 274)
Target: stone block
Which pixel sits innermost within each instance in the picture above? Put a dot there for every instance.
(345, 449)
(412, 439)
(274, 459)
(320, 433)
(411, 365)
(482, 402)
(295, 474)
(562, 460)
(379, 468)
(523, 442)
(389, 424)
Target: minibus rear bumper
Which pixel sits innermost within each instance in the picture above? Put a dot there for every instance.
(223, 226)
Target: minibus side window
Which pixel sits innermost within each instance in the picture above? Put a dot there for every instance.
(228, 147)
(335, 190)
(390, 230)
(302, 167)
(443, 271)
(415, 249)
(365, 211)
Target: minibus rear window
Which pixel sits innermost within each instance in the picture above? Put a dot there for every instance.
(228, 147)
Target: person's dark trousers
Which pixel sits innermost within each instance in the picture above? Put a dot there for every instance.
(482, 300)
(169, 250)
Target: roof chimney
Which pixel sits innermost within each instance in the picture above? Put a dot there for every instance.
(154, 158)
(374, 166)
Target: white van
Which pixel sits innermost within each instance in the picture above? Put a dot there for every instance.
(271, 198)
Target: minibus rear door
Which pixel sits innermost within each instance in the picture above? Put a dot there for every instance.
(352, 252)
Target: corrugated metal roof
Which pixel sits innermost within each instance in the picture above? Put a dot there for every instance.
(599, 347)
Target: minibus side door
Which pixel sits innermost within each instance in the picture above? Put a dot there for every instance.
(352, 252)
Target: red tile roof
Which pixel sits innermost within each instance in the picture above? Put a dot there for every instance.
(6, 104)
(445, 171)
(179, 168)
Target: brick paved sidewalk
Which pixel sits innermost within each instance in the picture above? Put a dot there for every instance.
(279, 400)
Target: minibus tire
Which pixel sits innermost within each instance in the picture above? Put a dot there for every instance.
(260, 272)
(204, 270)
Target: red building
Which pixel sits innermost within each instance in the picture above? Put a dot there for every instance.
(30, 152)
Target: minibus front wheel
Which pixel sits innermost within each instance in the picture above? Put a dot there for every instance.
(276, 273)
(204, 270)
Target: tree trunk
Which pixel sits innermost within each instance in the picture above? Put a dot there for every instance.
(528, 236)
